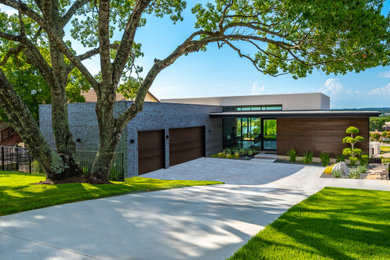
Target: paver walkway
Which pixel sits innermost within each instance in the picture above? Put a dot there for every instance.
(209, 222)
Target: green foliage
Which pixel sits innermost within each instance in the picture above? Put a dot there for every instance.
(336, 174)
(352, 130)
(325, 159)
(235, 153)
(364, 159)
(375, 136)
(335, 32)
(22, 192)
(354, 174)
(36, 167)
(340, 158)
(362, 168)
(352, 160)
(376, 123)
(292, 154)
(308, 158)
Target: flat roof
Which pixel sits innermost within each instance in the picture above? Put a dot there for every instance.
(297, 114)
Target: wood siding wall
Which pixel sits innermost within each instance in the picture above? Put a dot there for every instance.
(318, 135)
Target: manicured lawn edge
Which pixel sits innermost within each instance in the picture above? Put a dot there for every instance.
(19, 191)
(334, 223)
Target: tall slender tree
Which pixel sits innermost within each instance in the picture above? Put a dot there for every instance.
(287, 36)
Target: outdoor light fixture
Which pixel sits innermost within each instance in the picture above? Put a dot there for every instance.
(78, 140)
(132, 141)
(167, 136)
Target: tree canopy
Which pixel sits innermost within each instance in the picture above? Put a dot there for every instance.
(276, 36)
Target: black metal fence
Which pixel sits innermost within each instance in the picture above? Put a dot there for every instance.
(19, 159)
(15, 159)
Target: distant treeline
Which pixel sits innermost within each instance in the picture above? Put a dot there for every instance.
(376, 123)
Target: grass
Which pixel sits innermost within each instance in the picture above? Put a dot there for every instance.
(19, 193)
(334, 223)
(385, 149)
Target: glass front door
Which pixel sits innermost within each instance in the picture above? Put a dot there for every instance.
(269, 134)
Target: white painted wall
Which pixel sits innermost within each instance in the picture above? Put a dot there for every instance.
(305, 101)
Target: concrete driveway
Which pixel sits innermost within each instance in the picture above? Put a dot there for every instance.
(209, 222)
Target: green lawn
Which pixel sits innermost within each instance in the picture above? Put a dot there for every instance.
(334, 223)
(19, 193)
(385, 149)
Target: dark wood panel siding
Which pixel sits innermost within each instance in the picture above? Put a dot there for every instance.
(151, 150)
(186, 144)
(318, 135)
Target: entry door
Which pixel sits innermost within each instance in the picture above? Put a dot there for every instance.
(151, 151)
(186, 144)
(269, 134)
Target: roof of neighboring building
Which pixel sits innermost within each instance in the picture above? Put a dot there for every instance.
(90, 96)
(297, 113)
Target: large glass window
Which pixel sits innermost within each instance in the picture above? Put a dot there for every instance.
(249, 133)
(254, 108)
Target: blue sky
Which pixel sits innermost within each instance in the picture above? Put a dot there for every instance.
(220, 72)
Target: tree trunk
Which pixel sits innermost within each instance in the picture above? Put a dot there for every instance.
(110, 135)
(65, 144)
(24, 123)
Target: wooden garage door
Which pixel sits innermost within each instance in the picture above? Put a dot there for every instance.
(150, 151)
(186, 144)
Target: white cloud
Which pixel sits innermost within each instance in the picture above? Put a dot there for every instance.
(332, 86)
(8, 10)
(353, 92)
(384, 74)
(381, 91)
(256, 90)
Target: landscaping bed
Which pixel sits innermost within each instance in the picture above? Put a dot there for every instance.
(20, 191)
(334, 223)
(237, 153)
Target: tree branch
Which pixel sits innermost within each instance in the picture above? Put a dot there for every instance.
(127, 40)
(52, 35)
(72, 10)
(104, 42)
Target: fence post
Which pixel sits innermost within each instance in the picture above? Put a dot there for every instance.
(17, 159)
(29, 163)
(123, 166)
(2, 158)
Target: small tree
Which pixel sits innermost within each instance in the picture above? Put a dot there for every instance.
(352, 140)
(375, 136)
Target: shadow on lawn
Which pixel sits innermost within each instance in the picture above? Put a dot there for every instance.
(352, 225)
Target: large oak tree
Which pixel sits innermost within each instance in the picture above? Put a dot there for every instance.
(276, 36)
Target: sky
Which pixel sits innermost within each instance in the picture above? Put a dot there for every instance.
(221, 72)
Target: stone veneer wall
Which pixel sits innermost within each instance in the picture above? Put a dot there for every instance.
(155, 116)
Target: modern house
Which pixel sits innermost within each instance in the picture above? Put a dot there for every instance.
(174, 131)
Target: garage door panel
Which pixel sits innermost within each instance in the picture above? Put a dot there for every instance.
(186, 144)
(151, 151)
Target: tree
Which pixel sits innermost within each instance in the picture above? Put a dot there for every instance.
(375, 136)
(277, 37)
(352, 140)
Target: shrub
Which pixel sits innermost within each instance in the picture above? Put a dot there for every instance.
(354, 174)
(237, 155)
(375, 136)
(36, 167)
(363, 159)
(340, 158)
(362, 168)
(292, 154)
(385, 160)
(250, 152)
(336, 174)
(352, 139)
(328, 170)
(325, 160)
(308, 158)
(352, 161)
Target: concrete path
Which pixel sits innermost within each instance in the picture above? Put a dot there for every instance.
(209, 222)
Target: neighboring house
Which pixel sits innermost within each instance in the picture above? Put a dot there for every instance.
(178, 130)
(8, 136)
(386, 126)
(90, 96)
